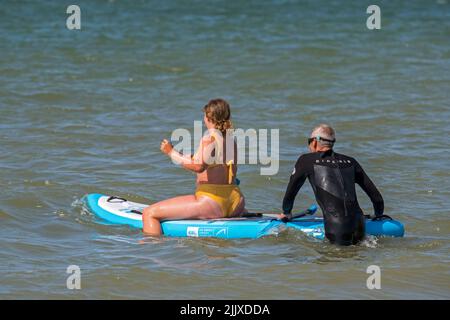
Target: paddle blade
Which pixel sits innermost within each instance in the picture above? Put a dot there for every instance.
(312, 209)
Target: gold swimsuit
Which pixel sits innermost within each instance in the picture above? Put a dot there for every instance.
(227, 196)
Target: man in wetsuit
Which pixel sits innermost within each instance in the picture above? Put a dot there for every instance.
(333, 177)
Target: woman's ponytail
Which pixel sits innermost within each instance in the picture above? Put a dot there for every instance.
(218, 112)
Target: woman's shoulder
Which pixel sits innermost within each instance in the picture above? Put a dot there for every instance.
(207, 139)
(210, 137)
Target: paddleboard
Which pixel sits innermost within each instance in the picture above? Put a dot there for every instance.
(120, 211)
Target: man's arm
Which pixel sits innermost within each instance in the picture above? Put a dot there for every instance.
(296, 181)
(370, 189)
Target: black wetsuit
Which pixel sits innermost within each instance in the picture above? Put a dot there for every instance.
(333, 177)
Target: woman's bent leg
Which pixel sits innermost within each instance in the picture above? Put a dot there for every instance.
(178, 208)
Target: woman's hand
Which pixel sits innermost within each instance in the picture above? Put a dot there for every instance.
(166, 147)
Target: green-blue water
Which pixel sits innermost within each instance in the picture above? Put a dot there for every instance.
(84, 111)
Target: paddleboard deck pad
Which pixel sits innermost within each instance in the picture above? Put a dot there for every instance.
(120, 211)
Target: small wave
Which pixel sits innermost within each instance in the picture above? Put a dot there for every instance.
(37, 183)
(10, 72)
(4, 214)
(127, 239)
(370, 242)
(77, 203)
(84, 216)
(82, 206)
(47, 97)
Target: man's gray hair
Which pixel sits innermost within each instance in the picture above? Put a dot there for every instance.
(324, 131)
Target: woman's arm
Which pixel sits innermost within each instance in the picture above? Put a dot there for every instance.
(194, 163)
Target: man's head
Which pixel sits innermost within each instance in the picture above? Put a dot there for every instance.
(322, 138)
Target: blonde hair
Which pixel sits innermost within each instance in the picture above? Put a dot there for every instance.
(218, 112)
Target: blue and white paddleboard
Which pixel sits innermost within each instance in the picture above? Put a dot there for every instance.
(121, 211)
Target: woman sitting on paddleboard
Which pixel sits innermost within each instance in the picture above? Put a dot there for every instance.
(217, 195)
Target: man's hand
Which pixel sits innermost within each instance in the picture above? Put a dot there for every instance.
(166, 147)
(285, 217)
